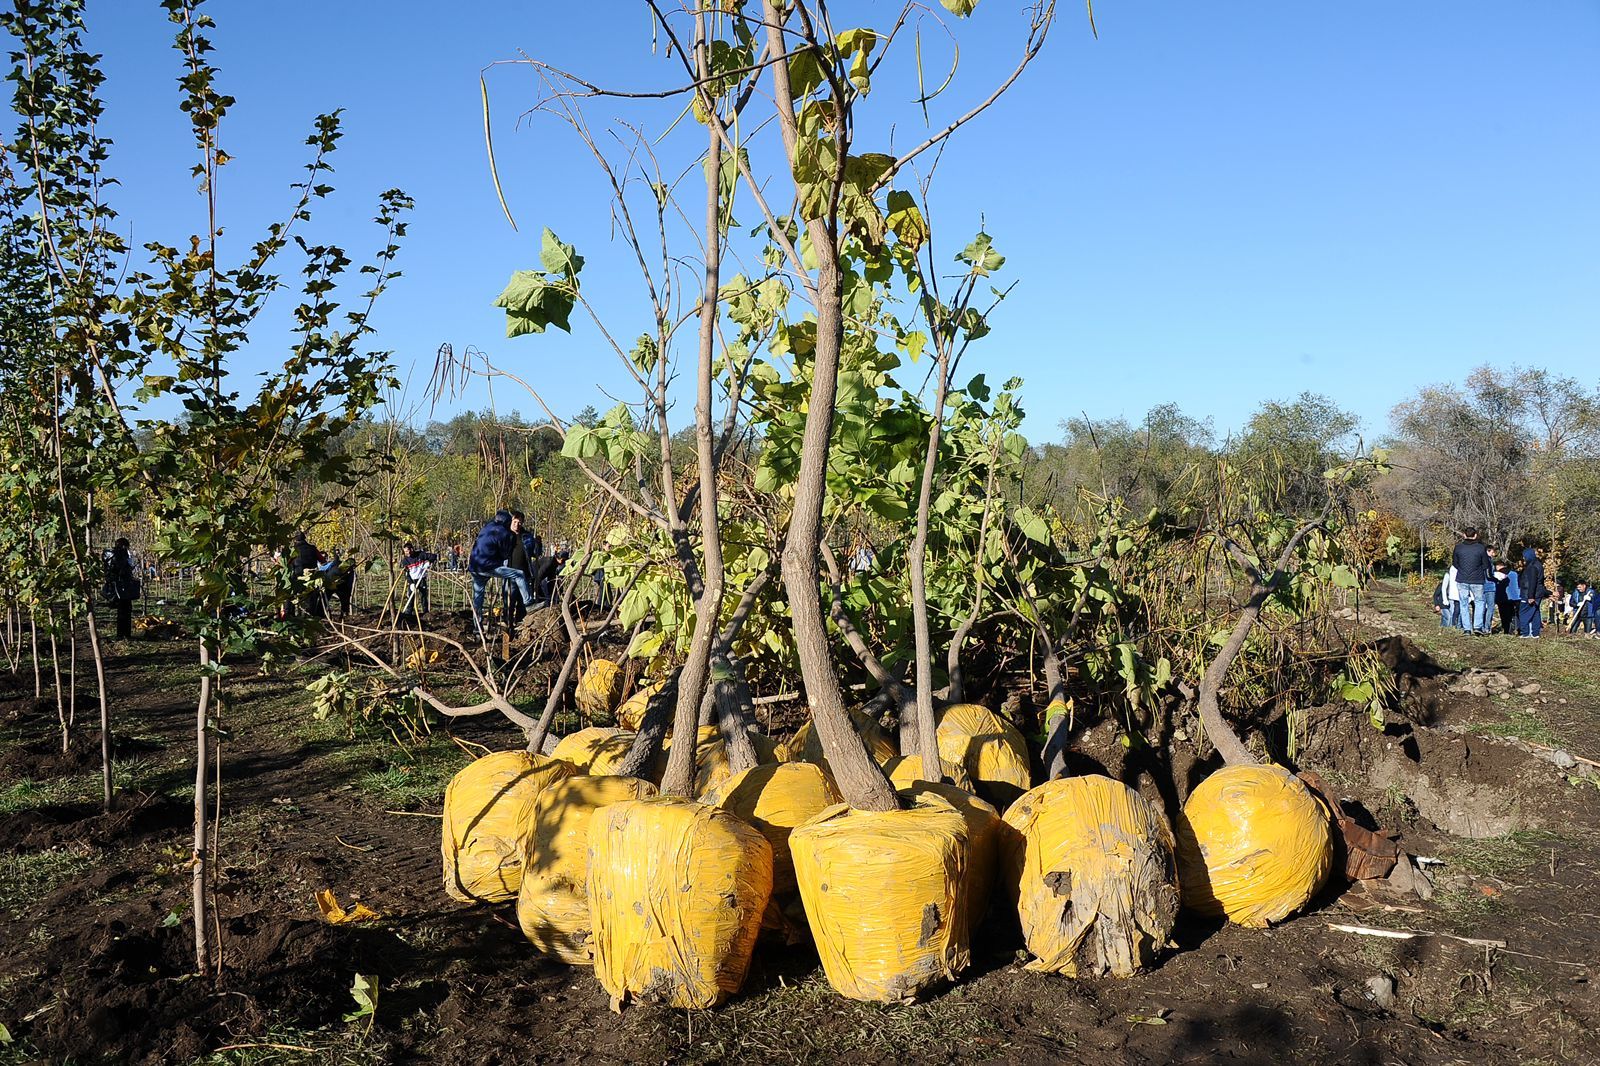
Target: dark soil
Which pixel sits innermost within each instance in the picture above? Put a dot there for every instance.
(96, 956)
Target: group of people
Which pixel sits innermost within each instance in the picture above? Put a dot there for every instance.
(505, 548)
(1477, 586)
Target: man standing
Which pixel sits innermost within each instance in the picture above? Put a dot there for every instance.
(1472, 570)
(1533, 590)
(122, 586)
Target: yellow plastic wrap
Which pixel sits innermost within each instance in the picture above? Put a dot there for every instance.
(1089, 862)
(1254, 844)
(904, 771)
(676, 894)
(595, 751)
(983, 842)
(599, 688)
(885, 896)
(806, 746)
(711, 766)
(553, 903)
(487, 805)
(631, 714)
(990, 749)
(775, 798)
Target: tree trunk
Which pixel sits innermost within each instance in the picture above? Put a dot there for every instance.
(927, 726)
(659, 710)
(202, 932)
(33, 635)
(679, 777)
(734, 713)
(107, 792)
(55, 673)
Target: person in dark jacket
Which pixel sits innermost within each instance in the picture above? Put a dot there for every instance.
(1580, 608)
(122, 588)
(1473, 568)
(491, 556)
(305, 564)
(1507, 597)
(1531, 585)
(524, 559)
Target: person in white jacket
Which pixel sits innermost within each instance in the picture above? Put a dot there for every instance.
(1450, 597)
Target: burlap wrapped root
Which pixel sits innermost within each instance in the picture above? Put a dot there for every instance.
(595, 751)
(989, 748)
(486, 809)
(983, 843)
(676, 894)
(553, 903)
(1090, 865)
(631, 714)
(806, 746)
(599, 689)
(775, 799)
(711, 765)
(903, 771)
(1254, 844)
(885, 896)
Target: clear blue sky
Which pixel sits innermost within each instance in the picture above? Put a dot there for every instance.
(1215, 205)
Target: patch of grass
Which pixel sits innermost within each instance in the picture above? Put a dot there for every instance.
(281, 1046)
(28, 795)
(1465, 909)
(1525, 725)
(25, 876)
(413, 778)
(772, 1027)
(1492, 856)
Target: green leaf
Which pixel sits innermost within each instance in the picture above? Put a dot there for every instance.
(980, 255)
(1032, 525)
(559, 258)
(364, 989)
(959, 8)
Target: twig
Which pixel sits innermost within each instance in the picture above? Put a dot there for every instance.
(1400, 934)
(414, 814)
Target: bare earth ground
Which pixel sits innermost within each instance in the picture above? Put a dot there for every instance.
(94, 952)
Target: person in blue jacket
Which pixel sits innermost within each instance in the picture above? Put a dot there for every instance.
(491, 556)
(1581, 602)
(1531, 585)
(1508, 597)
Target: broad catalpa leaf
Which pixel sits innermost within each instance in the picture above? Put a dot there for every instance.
(981, 256)
(959, 8)
(905, 219)
(559, 258)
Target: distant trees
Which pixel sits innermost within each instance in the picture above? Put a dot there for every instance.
(1513, 452)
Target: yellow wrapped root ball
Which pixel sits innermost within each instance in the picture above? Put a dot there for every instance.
(904, 771)
(676, 894)
(775, 799)
(806, 746)
(595, 751)
(711, 766)
(631, 714)
(991, 750)
(599, 688)
(1253, 844)
(983, 842)
(487, 807)
(885, 896)
(553, 903)
(1089, 862)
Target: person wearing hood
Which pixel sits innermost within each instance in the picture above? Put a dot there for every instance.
(1449, 600)
(491, 556)
(1532, 588)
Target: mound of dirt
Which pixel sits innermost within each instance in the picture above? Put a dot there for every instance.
(130, 996)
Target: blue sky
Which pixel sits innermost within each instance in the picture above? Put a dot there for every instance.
(1214, 205)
